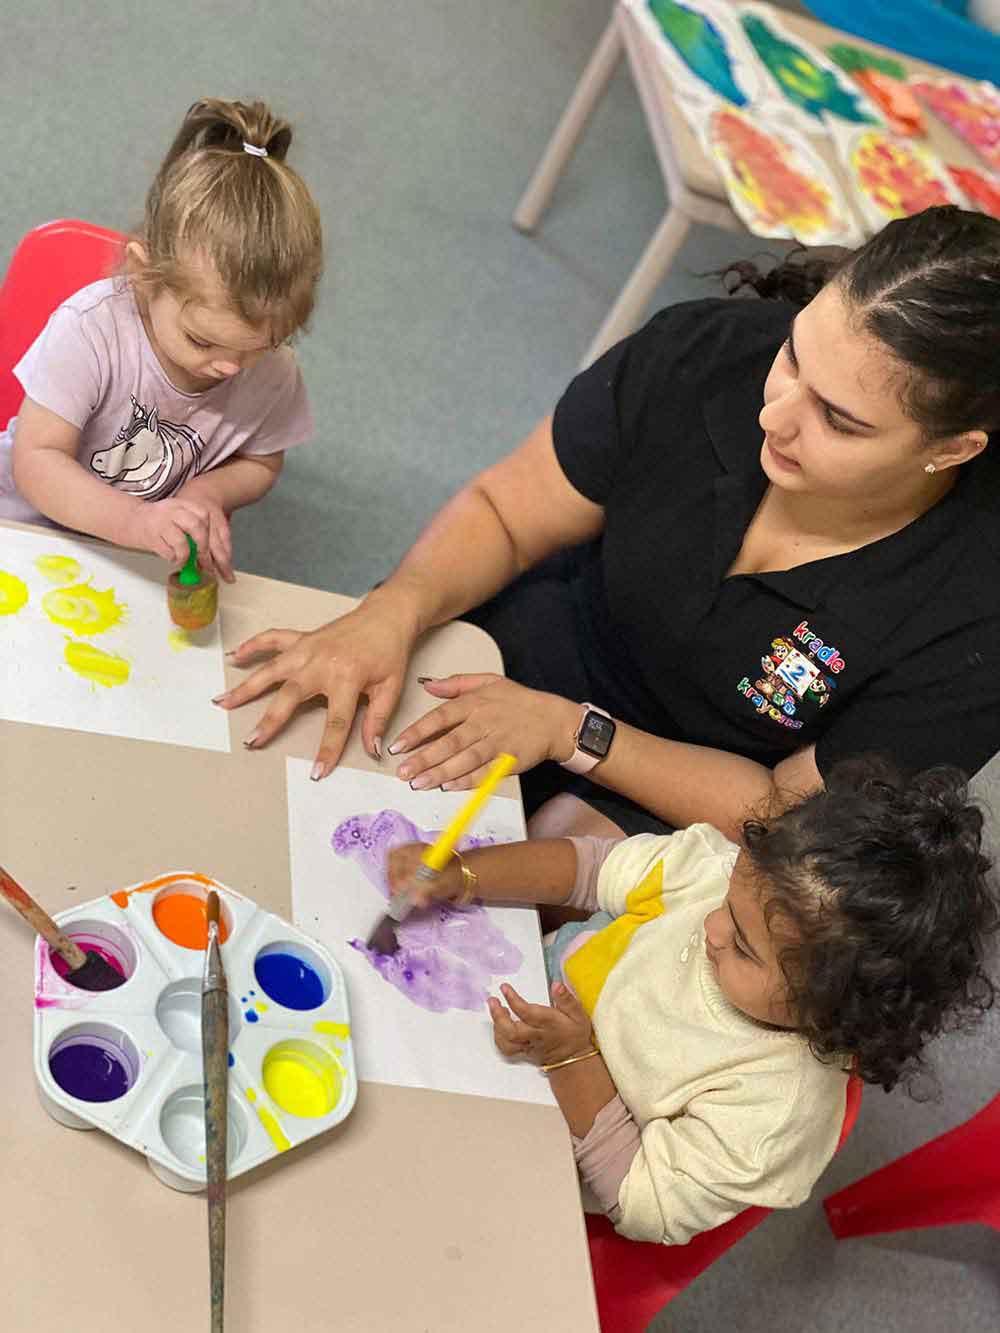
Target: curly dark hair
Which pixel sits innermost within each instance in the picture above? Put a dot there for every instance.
(885, 886)
(928, 288)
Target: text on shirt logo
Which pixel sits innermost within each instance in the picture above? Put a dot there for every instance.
(790, 677)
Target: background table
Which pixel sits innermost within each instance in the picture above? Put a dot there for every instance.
(695, 192)
(421, 1211)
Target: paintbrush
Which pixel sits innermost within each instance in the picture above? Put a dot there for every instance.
(384, 938)
(215, 1056)
(87, 970)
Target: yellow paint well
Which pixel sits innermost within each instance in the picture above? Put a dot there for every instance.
(61, 569)
(96, 665)
(302, 1078)
(83, 609)
(13, 594)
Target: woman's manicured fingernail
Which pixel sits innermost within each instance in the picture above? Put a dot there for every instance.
(218, 699)
(446, 786)
(418, 784)
(317, 772)
(424, 680)
(377, 748)
(395, 747)
(250, 741)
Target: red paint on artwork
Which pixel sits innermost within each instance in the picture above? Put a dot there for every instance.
(973, 112)
(981, 191)
(898, 180)
(768, 181)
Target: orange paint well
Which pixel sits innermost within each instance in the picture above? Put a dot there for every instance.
(183, 918)
(121, 897)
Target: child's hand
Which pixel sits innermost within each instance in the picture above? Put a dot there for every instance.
(403, 865)
(162, 526)
(541, 1034)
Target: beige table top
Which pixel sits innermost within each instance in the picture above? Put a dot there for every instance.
(421, 1211)
(702, 178)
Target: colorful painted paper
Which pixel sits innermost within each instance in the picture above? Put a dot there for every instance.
(86, 643)
(884, 82)
(894, 178)
(419, 1016)
(812, 86)
(971, 110)
(702, 49)
(980, 190)
(776, 183)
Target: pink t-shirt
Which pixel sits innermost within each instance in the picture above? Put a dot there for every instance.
(93, 366)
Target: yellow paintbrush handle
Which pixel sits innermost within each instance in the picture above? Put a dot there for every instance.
(436, 856)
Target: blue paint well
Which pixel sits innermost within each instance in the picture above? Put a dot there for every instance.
(289, 981)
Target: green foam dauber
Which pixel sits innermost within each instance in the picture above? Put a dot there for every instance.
(189, 575)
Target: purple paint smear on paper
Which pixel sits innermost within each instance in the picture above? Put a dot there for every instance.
(447, 956)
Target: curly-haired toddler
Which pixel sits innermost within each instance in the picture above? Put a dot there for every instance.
(705, 1020)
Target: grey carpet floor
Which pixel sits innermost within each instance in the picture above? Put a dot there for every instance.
(441, 336)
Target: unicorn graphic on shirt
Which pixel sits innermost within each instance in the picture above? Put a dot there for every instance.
(149, 457)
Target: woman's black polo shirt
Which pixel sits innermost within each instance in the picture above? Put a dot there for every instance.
(894, 647)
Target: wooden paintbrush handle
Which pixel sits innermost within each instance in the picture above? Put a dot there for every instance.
(215, 1054)
(41, 922)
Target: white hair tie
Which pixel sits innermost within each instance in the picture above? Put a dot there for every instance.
(253, 150)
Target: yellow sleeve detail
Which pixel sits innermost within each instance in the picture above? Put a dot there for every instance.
(588, 968)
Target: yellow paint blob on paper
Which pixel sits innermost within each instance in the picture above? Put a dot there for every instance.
(340, 1030)
(260, 1007)
(61, 569)
(13, 594)
(251, 1095)
(96, 665)
(83, 609)
(178, 640)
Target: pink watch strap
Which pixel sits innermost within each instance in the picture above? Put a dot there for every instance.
(580, 761)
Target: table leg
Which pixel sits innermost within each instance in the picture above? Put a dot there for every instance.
(643, 281)
(586, 95)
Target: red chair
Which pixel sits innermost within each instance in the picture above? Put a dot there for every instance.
(50, 264)
(634, 1280)
(954, 1178)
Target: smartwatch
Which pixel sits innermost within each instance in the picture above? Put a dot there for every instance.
(592, 741)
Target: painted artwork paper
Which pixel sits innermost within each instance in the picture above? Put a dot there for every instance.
(812, 86)
(972, 110)
(980, 190)
(884, 81)
(702, 50)
(894, 178)
(419, 1016)
(776, 183)
(86, 643)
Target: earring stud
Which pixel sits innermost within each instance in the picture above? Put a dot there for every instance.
(930, 468)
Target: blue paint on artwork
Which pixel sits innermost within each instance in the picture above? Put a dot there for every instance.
(701, 46)
(289, 981)
(231, 1060)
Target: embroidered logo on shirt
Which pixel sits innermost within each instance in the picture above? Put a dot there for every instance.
(790, 677)
(149, 457)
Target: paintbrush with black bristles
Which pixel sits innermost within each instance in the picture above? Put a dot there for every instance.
(88, 970)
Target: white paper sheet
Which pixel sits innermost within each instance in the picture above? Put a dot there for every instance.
(86, 642)
(421, 1021)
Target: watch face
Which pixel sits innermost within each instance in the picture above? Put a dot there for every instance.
(596, 734)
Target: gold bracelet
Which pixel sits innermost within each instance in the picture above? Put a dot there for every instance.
(558, 1064)
(470, 882)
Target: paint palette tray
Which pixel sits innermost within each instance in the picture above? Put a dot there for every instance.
(128, 1060)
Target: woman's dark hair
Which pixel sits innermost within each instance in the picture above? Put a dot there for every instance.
(928, 288)
(884, 885)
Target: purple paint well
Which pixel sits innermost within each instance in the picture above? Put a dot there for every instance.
(447, 956)
(91, 1068)
(289, 981)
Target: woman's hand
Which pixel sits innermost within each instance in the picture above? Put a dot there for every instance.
(405, 861)
(366, 651)
(538, 1033)
(486, 715)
